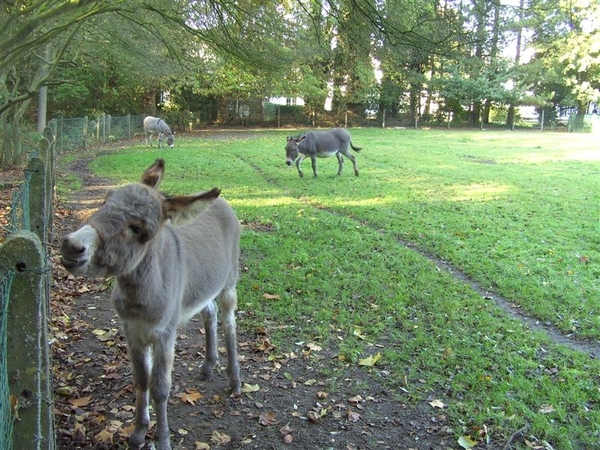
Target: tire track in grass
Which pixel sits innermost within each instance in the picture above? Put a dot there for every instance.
(508, 306)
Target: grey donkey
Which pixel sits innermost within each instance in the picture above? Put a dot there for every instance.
(161, 128)
(172, 257)
(322, 144)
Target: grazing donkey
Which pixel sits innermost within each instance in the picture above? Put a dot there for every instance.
(322, 144)
(159, 126)
(166, 272)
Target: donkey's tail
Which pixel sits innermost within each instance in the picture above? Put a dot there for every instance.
(355, 148)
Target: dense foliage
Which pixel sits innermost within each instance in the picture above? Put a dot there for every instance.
(435, 61)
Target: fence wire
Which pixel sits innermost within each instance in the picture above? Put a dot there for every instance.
(6, 416)
(74, 133)
(19, 210)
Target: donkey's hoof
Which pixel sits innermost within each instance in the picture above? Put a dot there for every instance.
(137, 439)
(206, 372)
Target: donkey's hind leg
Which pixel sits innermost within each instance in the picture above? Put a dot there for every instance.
(352, 158)
(228, 304)
(209, 316)
(340, 162)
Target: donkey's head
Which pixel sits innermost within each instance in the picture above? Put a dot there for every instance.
(170, 139)
(115, 239)
(291, 149)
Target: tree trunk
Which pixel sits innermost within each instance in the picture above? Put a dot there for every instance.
(43, 92)
(510, 118)
(223, 111)
(151, 99)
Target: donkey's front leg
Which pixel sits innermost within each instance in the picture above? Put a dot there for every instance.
(298, 162)
(160, 387)
(209, 317)
(228, 302)
(140, 365)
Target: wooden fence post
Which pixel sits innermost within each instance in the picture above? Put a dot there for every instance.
(37, 198)
(46, 147)
(29, 371)
(86, 132)
(108, 128)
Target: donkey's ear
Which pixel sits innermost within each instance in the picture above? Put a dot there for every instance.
(153, 174)
(184, 208)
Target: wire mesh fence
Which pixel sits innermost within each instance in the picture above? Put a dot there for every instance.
(26, 419)
(82, 132)
(6, 415)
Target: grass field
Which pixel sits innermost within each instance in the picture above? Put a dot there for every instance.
(340, 261)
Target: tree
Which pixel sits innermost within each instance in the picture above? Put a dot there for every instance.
(566, 63)
(29, 28)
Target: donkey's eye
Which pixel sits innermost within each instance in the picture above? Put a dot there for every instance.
(135, 229)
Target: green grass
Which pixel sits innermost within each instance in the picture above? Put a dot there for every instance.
(516, 212)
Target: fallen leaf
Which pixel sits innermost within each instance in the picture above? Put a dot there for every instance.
(286, 429)
(359, 334)
(466, 442)
(268, 418)
(125, 432)
(64, 390)
(369, 361)
(190, 396)
(313, 347)
(546, 409)
(202, 446)
(313, 417)
(355, 400)
(220, 438)
(14, 406)
(104, 437)
(109, 335)
(271, 296)
(437, 404)
(79, 428)
(353, 416)
(287, 439)
(84, 401)
(248, 388)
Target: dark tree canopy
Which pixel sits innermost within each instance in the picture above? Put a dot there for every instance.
(433, 59)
